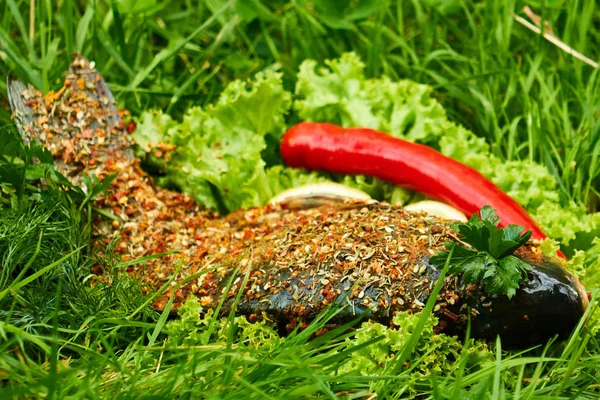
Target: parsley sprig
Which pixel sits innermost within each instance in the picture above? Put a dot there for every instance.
(488, 261)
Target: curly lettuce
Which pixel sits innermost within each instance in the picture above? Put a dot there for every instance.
(193, 327)
(437, 354)
(218, 156)
(342, 95)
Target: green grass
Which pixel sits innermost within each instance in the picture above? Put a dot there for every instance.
(63, 337)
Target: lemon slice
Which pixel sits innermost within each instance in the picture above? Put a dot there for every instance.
(438, 209)
(318, 194)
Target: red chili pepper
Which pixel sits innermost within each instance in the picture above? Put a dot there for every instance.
(328, 147)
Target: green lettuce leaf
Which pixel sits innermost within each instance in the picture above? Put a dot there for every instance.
(437, 354)
(342, 95)
(218, 159)
(193, 328)
(591, 265)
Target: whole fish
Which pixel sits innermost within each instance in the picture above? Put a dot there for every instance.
(289, 264)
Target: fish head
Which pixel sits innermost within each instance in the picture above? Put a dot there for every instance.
(550, 303)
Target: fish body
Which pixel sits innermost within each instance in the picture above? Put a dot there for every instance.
(289, 264)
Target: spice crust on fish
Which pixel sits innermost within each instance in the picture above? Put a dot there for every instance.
(372, 259)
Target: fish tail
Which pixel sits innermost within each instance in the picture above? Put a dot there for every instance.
(80, 123)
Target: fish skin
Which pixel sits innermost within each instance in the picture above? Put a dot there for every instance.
(372, 258)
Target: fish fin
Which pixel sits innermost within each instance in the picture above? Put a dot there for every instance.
(22, 114)
(80, 123)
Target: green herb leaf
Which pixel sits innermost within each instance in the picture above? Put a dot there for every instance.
(488, 260)
(504, 277)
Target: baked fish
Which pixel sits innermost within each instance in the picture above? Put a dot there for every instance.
(370, 258)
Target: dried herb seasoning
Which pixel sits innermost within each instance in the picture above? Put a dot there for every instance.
(372, 259)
